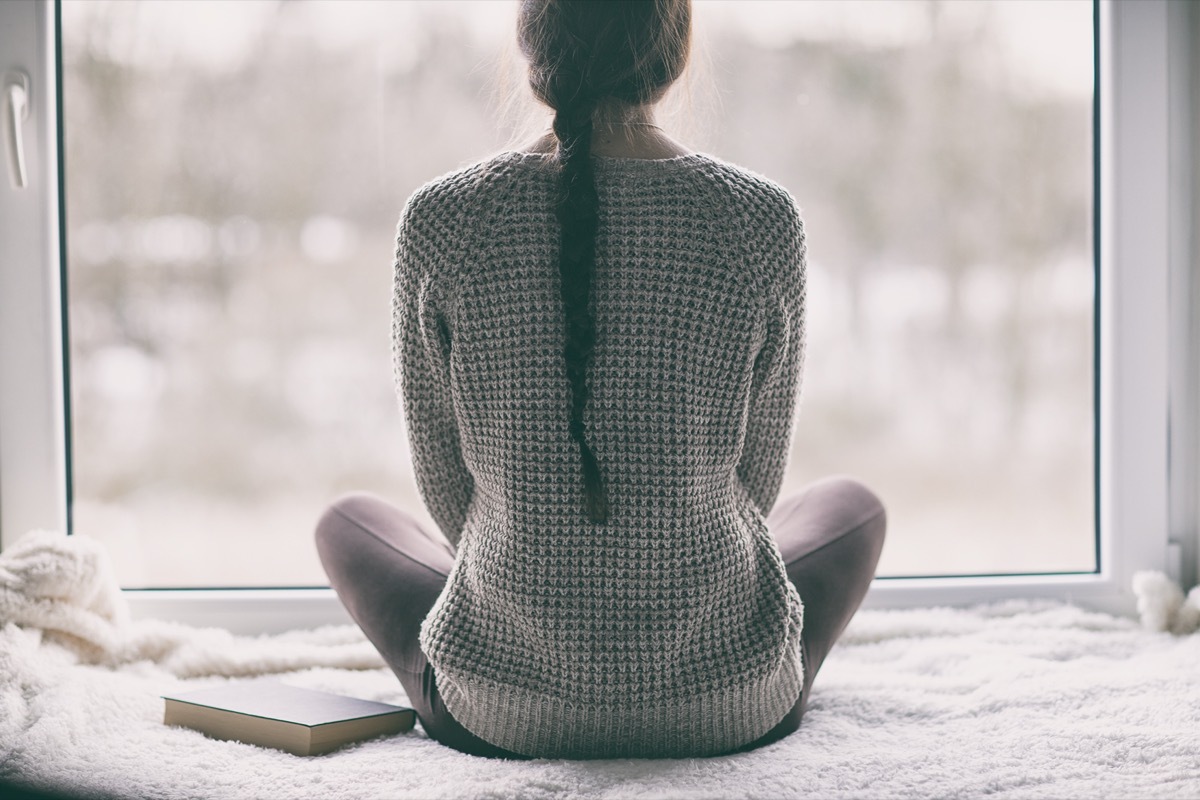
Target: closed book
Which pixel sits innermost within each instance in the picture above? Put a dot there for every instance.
(273, 714)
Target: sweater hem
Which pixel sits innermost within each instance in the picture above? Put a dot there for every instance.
(538, 725)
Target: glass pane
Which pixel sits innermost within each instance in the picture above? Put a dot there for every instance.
(234, 176)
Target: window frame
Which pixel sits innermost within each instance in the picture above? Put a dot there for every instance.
(1141, 259)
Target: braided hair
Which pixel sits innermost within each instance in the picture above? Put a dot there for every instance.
(584, 54)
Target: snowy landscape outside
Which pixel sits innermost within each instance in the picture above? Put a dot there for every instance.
(235, 171)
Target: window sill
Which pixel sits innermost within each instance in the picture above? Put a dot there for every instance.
(259, 611)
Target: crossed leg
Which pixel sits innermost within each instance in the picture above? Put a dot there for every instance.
(388, 572)
(830, 535)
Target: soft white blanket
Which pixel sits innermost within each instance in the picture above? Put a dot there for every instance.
(1017, 699)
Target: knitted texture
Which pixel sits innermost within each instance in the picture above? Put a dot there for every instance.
(671, 630)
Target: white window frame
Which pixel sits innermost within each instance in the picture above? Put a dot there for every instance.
(1141, 259)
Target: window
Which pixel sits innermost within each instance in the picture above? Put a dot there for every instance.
(943, 154)
(951, 359)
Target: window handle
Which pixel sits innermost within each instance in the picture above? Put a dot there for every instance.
(16, 111)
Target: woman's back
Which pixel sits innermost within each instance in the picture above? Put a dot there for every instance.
(671, 628)
(599, 360)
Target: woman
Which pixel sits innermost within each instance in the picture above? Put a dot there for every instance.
(598, 345)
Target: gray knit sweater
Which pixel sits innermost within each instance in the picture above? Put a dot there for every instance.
(671, 630)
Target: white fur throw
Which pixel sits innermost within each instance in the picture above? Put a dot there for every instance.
(62, 589)
(1162, 605)
(1021, 699)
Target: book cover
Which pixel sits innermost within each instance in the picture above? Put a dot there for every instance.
(270, 713)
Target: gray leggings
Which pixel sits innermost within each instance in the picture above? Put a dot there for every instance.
(388, 571)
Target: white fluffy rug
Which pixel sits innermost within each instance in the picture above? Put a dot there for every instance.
(1020, 699)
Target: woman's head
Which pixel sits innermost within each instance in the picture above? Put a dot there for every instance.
(588, 53)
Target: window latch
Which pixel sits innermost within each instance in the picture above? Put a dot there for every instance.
(16, 111)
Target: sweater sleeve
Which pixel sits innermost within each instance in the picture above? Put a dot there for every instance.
(421, 342)
(775, 384)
